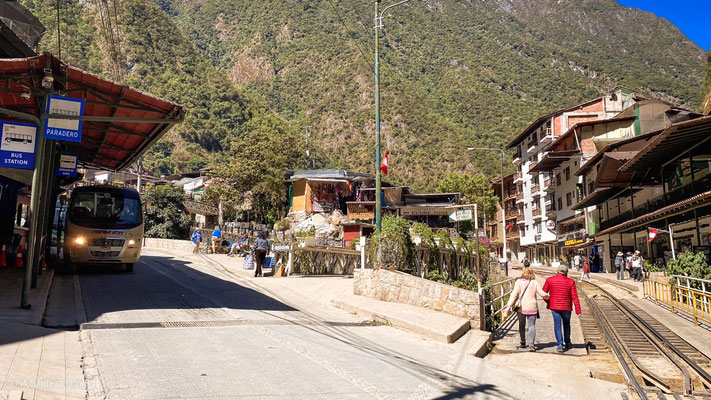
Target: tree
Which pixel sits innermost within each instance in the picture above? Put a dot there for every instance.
(707, 85)
(258, 163)
(472, 189)
(166, 215)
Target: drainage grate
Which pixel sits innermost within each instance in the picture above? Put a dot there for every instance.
(217, 323)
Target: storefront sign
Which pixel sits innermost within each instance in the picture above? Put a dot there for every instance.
(67, 165)
(432, 211)
(573, 241)
(64, 129)
(550, 224)
(460, 215)
(17, 149)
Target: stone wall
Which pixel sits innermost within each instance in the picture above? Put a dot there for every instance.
(170, 244)
(398, 287)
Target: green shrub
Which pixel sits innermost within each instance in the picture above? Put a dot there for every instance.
(392, 247)
(691, 265)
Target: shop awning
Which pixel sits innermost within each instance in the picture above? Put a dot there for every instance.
(676, 208)
(671, 142)
(120, 123)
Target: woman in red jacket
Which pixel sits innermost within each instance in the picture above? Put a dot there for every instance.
(562, 297)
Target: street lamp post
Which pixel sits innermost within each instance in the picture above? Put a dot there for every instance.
(503, 208)
(378, 25)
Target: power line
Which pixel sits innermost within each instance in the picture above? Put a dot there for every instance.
(360, 19)
(360, 49)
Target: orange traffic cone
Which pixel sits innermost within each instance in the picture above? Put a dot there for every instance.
(44, 264)
(3, 257)
(18, 257)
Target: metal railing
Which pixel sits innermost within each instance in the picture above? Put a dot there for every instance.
(500, 292)
(690, 301)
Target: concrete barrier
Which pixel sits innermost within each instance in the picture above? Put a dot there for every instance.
(398, 287)
(169, 244)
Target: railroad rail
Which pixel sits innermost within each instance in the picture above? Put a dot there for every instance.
(657, 363)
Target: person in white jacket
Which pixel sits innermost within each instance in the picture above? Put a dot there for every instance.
(525, 295)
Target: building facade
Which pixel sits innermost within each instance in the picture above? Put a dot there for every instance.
(538, 236)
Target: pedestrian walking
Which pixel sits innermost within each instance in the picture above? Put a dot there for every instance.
(197, 239)
(563, 296)
(637, 266)
(260, 251)
(524, 300)
(577, 260)
(586, 270)
(628, 264)
(526, 263)
(216, 238)
(620, 266)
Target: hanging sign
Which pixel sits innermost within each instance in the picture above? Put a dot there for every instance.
(17, 149)
(550, 224)
(64, 129)
(67, 165)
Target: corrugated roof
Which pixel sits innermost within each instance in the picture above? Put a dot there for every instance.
(107, 144)
(627, 144)
(662, 212)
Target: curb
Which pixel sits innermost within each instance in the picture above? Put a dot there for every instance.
(450, 337)
(43, 295)
(78, 302)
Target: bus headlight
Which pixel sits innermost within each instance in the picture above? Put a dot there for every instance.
(80, 241)
(131, 242)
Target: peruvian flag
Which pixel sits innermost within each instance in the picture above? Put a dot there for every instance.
(652, 233)
(384, 165)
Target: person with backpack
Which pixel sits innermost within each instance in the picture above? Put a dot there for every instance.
(526, 263)
(619, 266)
(563, 296)
(524, 301)
(197, 239)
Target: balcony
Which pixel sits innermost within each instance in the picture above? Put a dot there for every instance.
(547, 136)
(537, 213)
(513, 234)
(512, 214)
(518, 177)
(519, 197)
(521, 222)
(510, 196)
(516, 157)
(536, 190)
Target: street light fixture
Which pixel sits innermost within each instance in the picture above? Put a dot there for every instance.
(503, 208)
(378, 195)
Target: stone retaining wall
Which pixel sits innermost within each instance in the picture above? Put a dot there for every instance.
(169, 244)
(398, 287)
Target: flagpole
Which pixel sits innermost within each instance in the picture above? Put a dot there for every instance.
(671, 240)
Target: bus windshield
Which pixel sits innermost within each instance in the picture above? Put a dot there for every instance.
(106, 208)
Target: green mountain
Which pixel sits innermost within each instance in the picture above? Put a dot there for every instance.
(454, 73)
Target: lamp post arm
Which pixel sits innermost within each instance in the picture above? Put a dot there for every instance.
(391, 6)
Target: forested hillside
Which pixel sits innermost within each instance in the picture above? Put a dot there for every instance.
(455, 73)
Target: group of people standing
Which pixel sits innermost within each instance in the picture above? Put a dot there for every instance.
(261, 247)
(560, 295)
(633, 263)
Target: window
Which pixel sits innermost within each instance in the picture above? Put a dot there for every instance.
(560, 203)
(567, 173)
(557, 179)
(569, 199)
(538, 227)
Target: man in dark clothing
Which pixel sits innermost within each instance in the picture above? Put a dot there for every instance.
(563, 296)
(260, 251)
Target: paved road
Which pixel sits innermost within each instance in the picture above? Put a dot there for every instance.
(190, 329)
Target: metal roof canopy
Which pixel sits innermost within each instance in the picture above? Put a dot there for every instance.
(553, 160)
(673, 141)
(120, 123)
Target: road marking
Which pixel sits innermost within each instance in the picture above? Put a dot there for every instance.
(216, 323)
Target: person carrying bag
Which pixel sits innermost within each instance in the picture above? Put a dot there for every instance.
(524, 301)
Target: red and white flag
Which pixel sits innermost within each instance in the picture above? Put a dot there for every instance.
(652, 233)
(384, 165)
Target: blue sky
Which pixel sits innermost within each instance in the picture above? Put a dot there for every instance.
(691, 16)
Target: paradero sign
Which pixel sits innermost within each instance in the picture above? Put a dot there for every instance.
(64, 129)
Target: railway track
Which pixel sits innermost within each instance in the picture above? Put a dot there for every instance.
(657, 363)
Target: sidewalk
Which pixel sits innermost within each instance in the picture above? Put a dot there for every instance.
(326, 293)
(35, 362)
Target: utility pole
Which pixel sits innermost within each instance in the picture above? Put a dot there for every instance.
(308, 152)
(378, 195)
